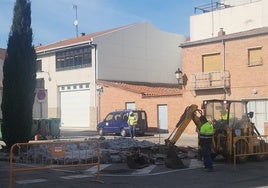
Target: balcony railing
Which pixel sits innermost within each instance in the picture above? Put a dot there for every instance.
(210, 80)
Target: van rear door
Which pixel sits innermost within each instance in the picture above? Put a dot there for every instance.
(142, 125)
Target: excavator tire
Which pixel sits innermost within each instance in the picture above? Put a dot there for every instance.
(173, 161)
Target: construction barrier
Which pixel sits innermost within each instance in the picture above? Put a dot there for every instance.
(245, 146)
(50, 155)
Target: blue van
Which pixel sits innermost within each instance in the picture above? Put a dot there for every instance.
(116, 123)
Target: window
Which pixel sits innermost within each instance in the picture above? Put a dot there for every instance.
(39, 65)
(131, 105)
(255, 56)
(212, 62)
(73, 59)
(109, 117)
(117, 117)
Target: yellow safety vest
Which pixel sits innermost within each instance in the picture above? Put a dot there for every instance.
(132, 120)
(206, 130)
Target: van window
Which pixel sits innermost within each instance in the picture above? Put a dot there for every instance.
(117, 117)
(143, 116)
(125, 116)
(109, 117)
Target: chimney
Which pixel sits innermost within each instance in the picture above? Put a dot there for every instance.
(82, 34)
(221, 32)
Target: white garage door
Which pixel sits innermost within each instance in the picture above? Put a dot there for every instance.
(75, 108)
(162, 111)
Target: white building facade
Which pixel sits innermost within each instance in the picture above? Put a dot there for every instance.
(69, 70)
(231, 15)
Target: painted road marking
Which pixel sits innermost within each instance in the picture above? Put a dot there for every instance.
(195, 163)
(91, 170)
(78, 176)
(31, 181)
(145, 170)
(94, 169)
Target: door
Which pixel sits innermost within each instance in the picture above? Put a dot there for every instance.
(75, 108)
(260, 109)
(162, 111)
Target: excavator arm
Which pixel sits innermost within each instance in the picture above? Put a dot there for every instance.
(190, 113)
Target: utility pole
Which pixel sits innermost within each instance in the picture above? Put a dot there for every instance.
(76, 20)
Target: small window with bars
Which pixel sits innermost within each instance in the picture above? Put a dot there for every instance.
(39, 65)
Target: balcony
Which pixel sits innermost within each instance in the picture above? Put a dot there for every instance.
(210, 80)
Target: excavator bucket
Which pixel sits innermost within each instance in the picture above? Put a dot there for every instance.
(173, 161)
(137, 160)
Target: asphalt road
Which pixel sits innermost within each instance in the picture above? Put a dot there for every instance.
(248, 175)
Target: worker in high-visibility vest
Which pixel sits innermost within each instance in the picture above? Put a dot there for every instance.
(224, 114)
(205, 136)
(132, 122)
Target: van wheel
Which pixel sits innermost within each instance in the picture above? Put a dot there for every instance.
(101, 133)
(123, 132)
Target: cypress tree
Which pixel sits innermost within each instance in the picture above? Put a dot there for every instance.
(19, 78)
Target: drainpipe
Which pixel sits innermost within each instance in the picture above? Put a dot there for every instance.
(221, 33)
(223, 66)
(94, 46)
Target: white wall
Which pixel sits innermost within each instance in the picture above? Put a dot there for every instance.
(139, 53)
(234, 19)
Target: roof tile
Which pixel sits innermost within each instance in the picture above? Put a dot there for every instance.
(76, 40)
(145, 89)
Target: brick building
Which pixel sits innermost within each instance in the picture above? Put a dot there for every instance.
(160, 101)
(229, 67)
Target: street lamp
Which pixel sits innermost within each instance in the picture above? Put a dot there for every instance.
(179, 76)
(49, 77)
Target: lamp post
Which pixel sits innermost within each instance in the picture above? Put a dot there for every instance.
(179, 76)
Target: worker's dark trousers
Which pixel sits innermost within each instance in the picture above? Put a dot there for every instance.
(206, 150)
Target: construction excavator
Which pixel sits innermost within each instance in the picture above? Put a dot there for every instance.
(230, 119)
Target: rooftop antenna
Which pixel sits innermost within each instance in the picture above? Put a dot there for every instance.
(212, 18)
(76, 20)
